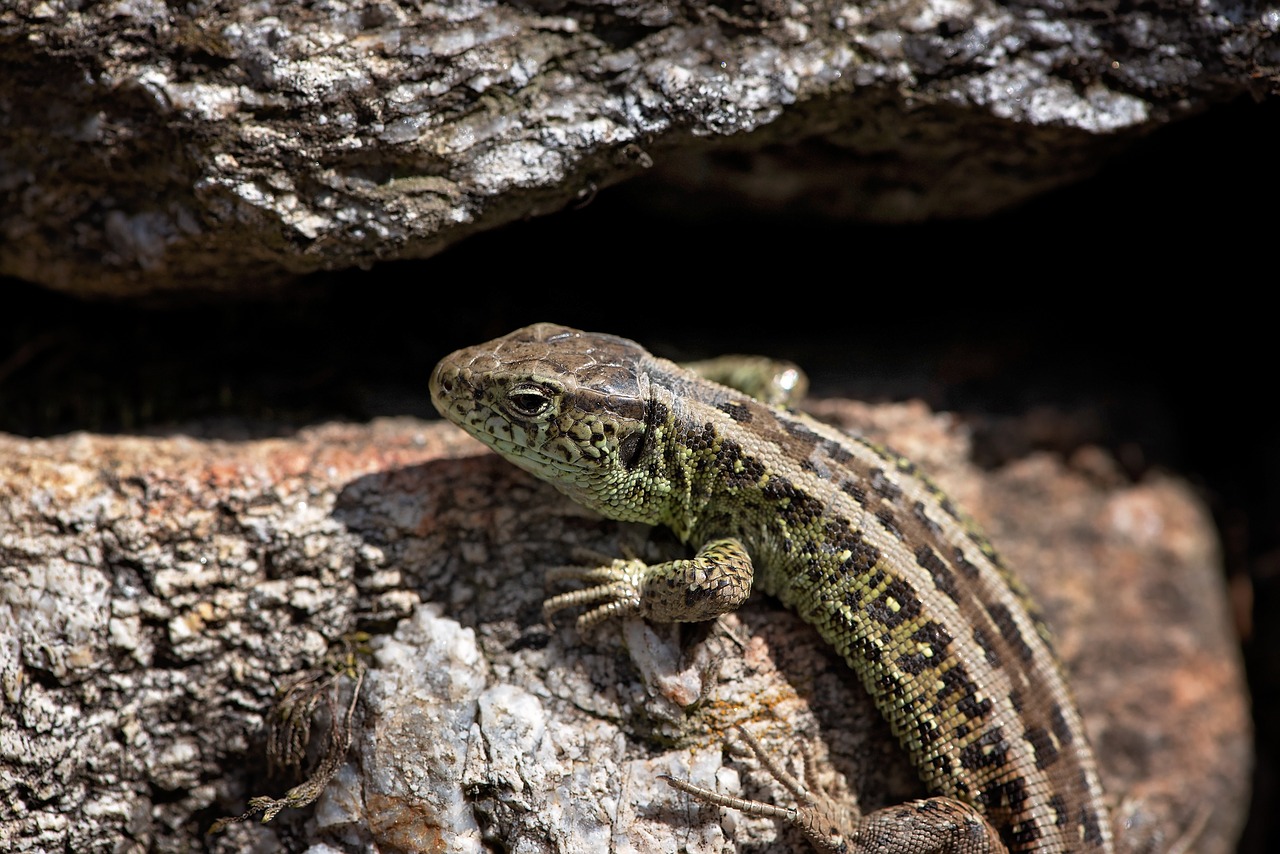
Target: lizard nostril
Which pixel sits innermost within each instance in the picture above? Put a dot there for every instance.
(442, 381)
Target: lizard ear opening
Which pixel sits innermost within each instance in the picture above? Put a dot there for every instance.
(631, 448)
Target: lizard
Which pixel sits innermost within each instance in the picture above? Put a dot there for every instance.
(852, 536)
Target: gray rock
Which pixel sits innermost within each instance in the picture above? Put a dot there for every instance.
(147, 147)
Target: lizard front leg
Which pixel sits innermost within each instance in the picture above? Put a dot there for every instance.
(715, 581)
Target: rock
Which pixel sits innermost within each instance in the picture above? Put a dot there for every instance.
(151, 148)
(156, 592)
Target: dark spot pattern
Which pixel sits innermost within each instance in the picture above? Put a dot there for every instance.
(659, 414)
(1016, 701)
(738, 470)
(868, 650)
(1008, 794)
(984, 644)
(854, 490)
(836, 452)
(862, 555)
(880, 609)
(935, 639)
(1046, 751)
(1024, 833)
(935, 635)
(928, 560)
(1089, 819)
(1060, 727)
(963, 564)
(989, 750)
(889, 522)
(949, 508)
(779, 487)
(804, 439)
(885, 488)
(1059, 807)
(956, 680)
(918, 509)
(926, 731)
(739, 412)
(1004, 622)
(913, 663)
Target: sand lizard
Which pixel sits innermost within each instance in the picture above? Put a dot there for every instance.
(849, 534)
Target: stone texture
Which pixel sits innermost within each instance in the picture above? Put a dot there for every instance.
(155, 592)
(149, 147)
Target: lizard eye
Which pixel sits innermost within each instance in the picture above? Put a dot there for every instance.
(529, 401)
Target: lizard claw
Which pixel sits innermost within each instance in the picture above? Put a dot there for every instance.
(616, 585)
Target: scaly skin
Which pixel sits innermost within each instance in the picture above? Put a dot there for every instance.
(852, 536)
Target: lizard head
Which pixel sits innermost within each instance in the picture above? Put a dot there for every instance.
(567, 406)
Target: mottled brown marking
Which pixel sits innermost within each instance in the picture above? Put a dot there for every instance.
(1058, 805)
(963, 564)
(920, 512)
(889, 522)
(984, 644)
(908, 604)
(1043, 745)
(835, 452)
(736, 410)
(990, 750)
(805, 439)
(1002, 617)
(854, 490)
(885, 488)
(941, 574)
(956, 681)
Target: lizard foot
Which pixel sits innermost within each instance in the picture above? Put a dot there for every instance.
(617, 585)
(714, 581)
(938, 825)
(827, 822)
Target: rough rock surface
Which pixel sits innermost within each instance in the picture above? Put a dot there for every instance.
(155, 592)
(149, 146)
